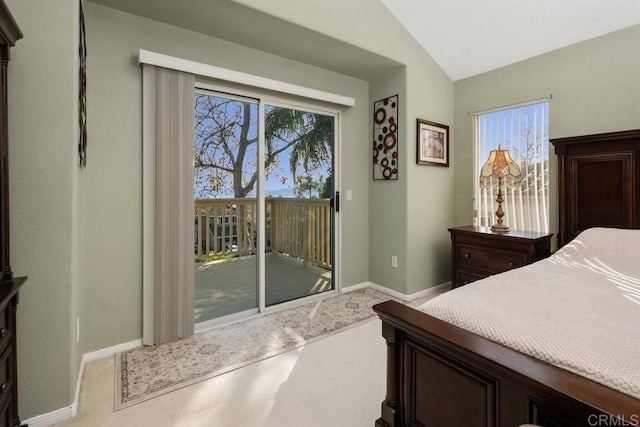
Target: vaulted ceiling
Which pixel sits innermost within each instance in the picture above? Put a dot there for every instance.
(468, 37)
(465, 37)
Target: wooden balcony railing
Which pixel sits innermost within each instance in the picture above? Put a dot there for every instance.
(300, 228)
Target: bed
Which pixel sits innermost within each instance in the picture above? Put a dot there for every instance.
(555, 343)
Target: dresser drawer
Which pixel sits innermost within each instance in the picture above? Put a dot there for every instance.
(6, 384)
(490, 259)
(6, 377)
(5, 327)
(6, 413)
(478, 252)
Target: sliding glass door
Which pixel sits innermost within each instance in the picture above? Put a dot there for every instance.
(253, 161)
(225, 189)
(299, 189)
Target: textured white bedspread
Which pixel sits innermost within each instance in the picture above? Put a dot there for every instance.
(578, 310)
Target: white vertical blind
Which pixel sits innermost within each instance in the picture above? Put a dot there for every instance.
(523, 130)
(168, 132)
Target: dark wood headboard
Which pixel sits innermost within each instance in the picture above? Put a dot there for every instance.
(598, 182)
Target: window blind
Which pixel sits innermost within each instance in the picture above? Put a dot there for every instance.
(523, 130)
(168, 206)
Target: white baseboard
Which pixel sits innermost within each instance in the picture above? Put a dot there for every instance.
(396, 294)
(111, 351)
(355, 287)
(68, 412)
(430, 291)
(51, 418)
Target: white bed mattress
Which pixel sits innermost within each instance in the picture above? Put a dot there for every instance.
(578, 310)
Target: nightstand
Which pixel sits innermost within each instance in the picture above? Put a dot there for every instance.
(478, 252)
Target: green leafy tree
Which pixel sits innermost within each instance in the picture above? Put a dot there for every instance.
(306, 184)
(226, 145)
(327, 188)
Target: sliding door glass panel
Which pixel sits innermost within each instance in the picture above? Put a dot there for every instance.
(225, 184)
(298, 191)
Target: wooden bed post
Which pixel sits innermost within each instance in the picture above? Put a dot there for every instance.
(391, 404)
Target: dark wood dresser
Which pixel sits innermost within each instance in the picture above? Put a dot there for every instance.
(9, 285)
(478, 252)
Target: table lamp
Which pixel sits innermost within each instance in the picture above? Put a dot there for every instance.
(500, 171)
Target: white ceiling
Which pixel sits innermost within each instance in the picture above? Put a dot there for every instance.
(469, 37)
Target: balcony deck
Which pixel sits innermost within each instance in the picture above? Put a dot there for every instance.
(229, 286)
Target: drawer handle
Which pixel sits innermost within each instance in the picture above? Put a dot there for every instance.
(467, 255)
(3, 332)
(511, 264)
(3, 387)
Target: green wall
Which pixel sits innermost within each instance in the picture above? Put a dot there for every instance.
(594, 88)
(114, 209)
(409, 217)
(46, 189)
(387, 199)
(78, 233)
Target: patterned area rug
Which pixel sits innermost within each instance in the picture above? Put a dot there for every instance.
(147, 372)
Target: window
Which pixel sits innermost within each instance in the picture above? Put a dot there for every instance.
(523, 130)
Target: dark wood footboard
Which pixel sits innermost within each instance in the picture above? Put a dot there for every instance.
(439, 375)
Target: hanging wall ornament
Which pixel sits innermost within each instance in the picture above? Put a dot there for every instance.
(385, 138)
(82, 93)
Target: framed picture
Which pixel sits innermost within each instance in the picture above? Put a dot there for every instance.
(432, 143)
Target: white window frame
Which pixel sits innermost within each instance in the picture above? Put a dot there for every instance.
(264, 98)
(543, 224)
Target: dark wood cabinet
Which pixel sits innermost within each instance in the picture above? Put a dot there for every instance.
(598, 178)
(8, 355)
(9, 286)
(478, 252)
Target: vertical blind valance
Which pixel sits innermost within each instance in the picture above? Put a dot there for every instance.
(236, 77)
(168, 133)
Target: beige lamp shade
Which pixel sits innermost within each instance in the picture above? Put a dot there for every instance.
(500, 168)
(500, 171)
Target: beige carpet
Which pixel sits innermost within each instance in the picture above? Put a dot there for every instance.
(148, 372)
(338, 381)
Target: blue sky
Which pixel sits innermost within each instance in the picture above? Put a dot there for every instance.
(279, 181)
(509, 128)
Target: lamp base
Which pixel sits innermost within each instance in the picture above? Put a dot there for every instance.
(500, 228)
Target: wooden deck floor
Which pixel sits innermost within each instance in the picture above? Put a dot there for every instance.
(229, 286)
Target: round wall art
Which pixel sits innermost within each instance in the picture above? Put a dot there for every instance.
(385, 138)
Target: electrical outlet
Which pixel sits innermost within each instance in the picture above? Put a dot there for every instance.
(78, 329)
(349, 195)
(394, 261)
